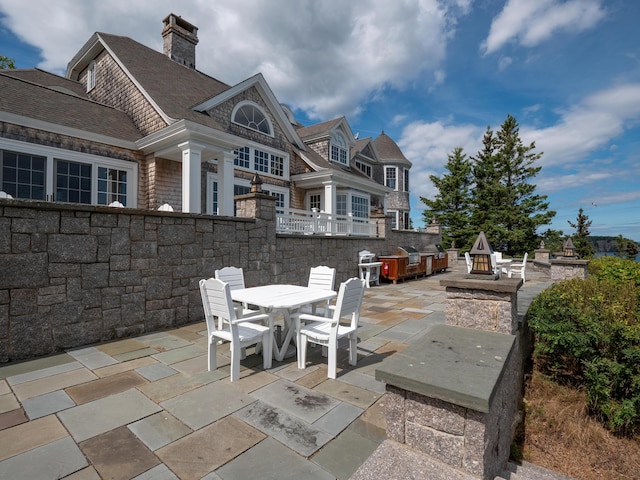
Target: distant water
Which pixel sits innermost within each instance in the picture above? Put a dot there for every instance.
(604, 254)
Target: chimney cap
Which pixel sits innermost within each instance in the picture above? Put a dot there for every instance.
(172, 18)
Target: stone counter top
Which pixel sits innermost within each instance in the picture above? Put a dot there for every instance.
(458, 365)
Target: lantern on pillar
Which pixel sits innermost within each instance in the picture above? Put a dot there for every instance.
(568, 250)
(256, 184)
(481, 253)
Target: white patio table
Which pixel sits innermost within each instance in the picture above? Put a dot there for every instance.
(504, 263)
(284, 299)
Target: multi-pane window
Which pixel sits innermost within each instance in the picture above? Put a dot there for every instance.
(72, 182)
(214, 197)
(251, 116)
(341, 204)
(315, 201)
(261, 161)
(243, 157)
(277, 165)
(360, 206)
(50, 174)
(394, 219)
(364, 168)
(407, 222)
(112, 186)
(23, 175)
(390, 177)
(406, 179)
(339, 149)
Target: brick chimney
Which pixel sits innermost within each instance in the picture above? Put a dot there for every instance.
(179, 40)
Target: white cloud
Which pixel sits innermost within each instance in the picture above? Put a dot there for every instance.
(585, 127)
(326, 58)
(428, 145)
(530, 23)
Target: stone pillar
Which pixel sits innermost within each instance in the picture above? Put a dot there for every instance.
(564, 268)
(541, 254)
(453, 254)
(484, 304)
(383, 222)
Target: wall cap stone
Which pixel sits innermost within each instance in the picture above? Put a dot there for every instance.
(508, 285)
(462, 366)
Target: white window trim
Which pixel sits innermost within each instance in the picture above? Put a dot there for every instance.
(52, 154)
(405, 179)
(241, 104)
(367, 165)
(91, 76)
(253, 146)
(341, 148)
(385, 177)
(349, 192)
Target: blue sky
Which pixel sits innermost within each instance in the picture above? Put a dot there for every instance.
(432, 74)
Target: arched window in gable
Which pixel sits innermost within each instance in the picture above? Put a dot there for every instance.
(339, 149)
(252, 116)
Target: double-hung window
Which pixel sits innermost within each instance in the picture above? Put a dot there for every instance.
(390, 177)
(339, 149)
(406, 180)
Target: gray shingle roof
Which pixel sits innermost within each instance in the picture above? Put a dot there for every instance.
(47, 79)
(20, 97)
(388, 150)
(176, 89)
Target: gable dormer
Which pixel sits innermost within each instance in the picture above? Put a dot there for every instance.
(332, 140)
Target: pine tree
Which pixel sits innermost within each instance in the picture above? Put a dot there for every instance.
(584, 249)
(451, 205)
(506, 206)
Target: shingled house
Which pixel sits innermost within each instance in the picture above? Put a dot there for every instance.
(129, 126)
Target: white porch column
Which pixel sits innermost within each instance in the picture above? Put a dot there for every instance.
(225, 184)
(329, 197)
(191, 181)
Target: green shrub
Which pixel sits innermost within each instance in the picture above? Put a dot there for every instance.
(588, 335)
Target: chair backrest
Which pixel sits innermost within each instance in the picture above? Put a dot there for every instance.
(216, 302)
(234, 276)
(524, 260)
(498, 255)
(349, 301)
(467, 258)
(322, 277)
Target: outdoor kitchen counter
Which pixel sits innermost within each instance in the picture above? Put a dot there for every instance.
(397, 267)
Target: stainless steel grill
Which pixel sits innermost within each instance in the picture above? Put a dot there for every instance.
(412, 253)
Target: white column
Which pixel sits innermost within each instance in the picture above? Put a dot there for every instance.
(225, 184)
(329, 197)
(191, 181)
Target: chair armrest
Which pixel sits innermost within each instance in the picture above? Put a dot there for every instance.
(313, 318)
(252, 318)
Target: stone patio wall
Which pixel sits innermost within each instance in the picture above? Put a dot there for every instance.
(74, 275)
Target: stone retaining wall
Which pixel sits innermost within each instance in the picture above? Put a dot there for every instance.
(74, 275)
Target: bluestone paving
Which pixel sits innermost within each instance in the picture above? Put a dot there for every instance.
(273, 461)
(92, 358)
(204, 405)
(159, 430)
(46, 404)
(149, 409)
(118, 454)
(293, 432)
(156, 371)
(100, 416)
(53, 460)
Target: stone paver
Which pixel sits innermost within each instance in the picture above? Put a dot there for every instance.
(204, 451)
(100, 416)
(147, 408)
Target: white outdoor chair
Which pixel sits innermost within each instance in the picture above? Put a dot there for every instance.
(216, 301)
(234, 276)
(519, 268)
(328, 331)
(467, 259)
(497, 270)
(322, 278)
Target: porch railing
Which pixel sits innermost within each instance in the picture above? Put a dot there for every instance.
(289, 220)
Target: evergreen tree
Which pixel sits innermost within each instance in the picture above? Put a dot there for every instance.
(506, 206)
(584, 248)
(626, 248)
(6, 63)
(451, 205)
